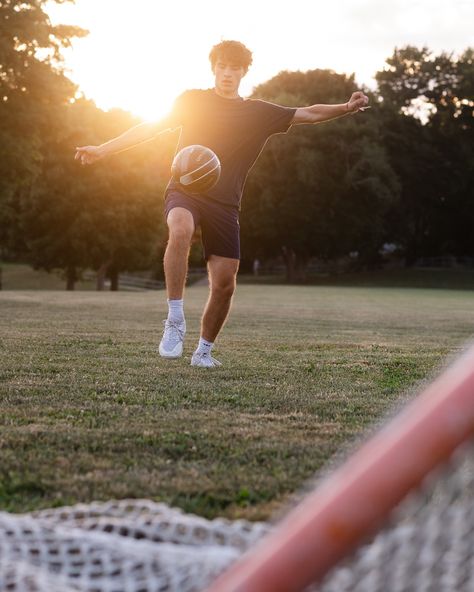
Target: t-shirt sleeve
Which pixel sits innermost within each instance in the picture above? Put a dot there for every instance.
(276, 119)
(177, 116)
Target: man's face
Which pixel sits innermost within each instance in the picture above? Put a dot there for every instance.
(227, 78)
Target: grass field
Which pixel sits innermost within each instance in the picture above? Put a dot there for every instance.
(89, 410)
(17, 276)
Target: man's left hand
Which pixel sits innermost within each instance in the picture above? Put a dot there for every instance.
(357, 102)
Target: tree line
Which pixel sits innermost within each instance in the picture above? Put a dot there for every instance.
(401, 173)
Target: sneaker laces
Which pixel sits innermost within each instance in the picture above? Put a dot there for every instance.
(174, 330)
(207, 356)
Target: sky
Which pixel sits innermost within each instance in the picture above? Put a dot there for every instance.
(140, 55)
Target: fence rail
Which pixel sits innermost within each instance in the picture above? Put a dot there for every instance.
(129, 282)
(445, 262)
(132, 281)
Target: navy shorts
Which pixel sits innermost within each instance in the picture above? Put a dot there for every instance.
(220, 228)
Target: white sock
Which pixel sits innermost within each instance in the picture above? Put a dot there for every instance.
(175, 310)
(204, 347)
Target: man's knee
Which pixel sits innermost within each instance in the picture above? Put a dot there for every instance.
(180, 225)
(222, 276)
(223, 287)
(180, 235)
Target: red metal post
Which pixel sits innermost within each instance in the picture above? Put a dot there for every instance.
(354, 501)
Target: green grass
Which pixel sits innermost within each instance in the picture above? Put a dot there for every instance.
(90, 411)
(398, 277)
(18, 276)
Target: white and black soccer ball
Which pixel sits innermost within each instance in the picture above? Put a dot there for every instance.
(197, 168)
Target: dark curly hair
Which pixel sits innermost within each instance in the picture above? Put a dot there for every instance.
(233, 51)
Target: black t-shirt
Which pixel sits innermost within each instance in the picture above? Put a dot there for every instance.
(235, 129)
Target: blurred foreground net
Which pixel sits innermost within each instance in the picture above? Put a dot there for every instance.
(428, 545)
(131, 545)
(141, 546)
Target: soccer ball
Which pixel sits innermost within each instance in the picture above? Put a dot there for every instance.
(196, 168)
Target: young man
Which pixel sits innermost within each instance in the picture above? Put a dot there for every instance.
(236, 129)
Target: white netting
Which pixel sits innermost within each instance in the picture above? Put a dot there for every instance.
(141, 546)
(129, 546)
(428, 547)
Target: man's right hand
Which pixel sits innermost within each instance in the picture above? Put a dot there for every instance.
(89, 154)
(358, 102)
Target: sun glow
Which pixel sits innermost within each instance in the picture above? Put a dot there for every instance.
(128, 60)
(139, 56)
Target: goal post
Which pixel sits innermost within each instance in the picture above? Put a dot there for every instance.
(354, 501)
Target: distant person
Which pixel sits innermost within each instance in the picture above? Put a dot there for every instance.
(236, 129)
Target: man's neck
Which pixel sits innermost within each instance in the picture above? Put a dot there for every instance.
(228, 94)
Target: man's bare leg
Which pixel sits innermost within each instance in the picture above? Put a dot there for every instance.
(181, 229)
(222, 280)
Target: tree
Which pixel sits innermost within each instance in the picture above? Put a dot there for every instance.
(320, 191)
(32, 89)
(428, 130)
(105, 217)
(54, 213)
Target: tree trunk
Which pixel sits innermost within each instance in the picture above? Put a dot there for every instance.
(101, 276)
(301, 267)
(412, 252)
(71, 278)
(114, 279)
(296, 266)
(290, 261)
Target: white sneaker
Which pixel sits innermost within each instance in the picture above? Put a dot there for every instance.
(204, 360)
(171, 345)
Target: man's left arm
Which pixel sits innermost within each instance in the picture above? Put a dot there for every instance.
(320, 113)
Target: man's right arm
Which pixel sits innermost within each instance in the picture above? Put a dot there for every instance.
(133, 136)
